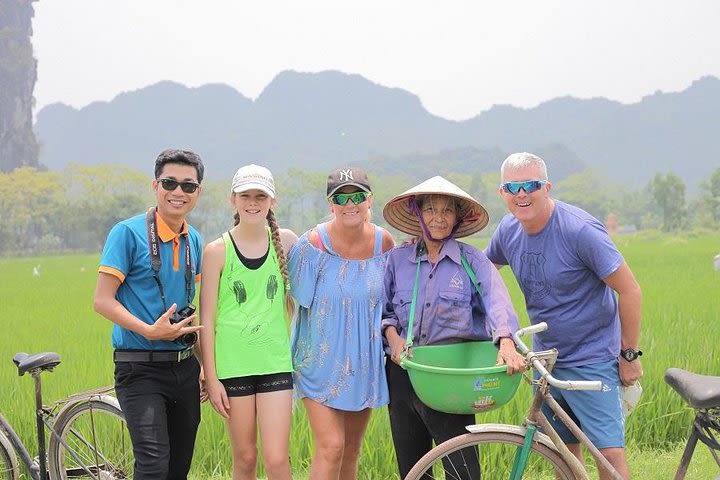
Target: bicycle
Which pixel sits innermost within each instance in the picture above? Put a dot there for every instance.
(518, 451)
(702, 394)
(88, 434)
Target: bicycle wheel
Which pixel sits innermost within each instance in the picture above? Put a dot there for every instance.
(493, 456)
(9, 469)
(97, 439)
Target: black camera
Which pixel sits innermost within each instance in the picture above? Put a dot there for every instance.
(187, 339)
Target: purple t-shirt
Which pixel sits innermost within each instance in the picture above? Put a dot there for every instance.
(448, 307)
(560, 271)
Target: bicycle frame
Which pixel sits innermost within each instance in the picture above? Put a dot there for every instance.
(702, 394)
(705, 428)
(536, 418)
(43, 416)
(536, 445)
(39, 471)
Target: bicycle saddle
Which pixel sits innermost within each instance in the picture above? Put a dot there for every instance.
(699, 391)
(43, 361)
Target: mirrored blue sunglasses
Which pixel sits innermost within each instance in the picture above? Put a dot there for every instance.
(530, 186)
(343, 198)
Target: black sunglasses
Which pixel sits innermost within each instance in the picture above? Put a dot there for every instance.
(171, 184)
(343, 198)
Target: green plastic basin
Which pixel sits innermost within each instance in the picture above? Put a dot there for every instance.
(460, 377)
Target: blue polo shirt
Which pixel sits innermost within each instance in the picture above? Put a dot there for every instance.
(126, 255)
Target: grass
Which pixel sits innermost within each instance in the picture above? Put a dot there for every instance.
(53, 312)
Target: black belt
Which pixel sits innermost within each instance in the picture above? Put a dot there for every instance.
(152, 355)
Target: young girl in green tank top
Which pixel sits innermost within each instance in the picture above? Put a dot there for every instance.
(244, 308)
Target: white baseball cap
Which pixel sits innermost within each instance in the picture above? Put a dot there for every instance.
(253, 177)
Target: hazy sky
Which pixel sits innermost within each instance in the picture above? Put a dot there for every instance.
(459, 57)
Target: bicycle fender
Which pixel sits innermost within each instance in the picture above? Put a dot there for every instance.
(516, 429)
(100, 397)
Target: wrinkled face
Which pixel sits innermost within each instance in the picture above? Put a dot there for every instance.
(350, 214)
(531, 209)
(252, 205)
(439, 212)
(174, 205)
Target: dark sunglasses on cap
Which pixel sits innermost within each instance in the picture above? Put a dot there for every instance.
(343, 198)
(171, 184)
(530, 186)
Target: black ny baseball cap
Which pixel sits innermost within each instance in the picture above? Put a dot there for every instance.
(344, 176)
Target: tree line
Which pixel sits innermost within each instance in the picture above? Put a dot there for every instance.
(73, 210)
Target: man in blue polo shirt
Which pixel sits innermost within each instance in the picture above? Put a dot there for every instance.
(145, 286)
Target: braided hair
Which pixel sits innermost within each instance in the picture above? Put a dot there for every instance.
(282, 258)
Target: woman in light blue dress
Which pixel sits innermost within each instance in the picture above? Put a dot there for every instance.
(336, 276)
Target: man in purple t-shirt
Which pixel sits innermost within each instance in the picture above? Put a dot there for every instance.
(570, 271)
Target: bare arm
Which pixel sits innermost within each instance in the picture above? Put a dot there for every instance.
(388, 242)
(390, 322)
(107, 305)
(213, 261)
(396, 342)
(629, 294)
(500, 314)
(288, 239)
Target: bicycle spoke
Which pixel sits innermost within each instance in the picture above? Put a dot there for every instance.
(98, 444)
(91, 449)
(108, 438)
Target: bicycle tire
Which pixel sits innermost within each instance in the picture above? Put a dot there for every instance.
(496, 452)
(9, 468)
(96, 432)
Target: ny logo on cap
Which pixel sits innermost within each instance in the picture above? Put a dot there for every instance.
(346, 175)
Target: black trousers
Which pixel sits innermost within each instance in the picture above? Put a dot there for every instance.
(415, 426)
(161, 402)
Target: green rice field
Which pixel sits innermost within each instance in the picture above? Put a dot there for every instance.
(53, 312)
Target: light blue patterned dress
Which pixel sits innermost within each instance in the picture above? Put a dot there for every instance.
(336, 340)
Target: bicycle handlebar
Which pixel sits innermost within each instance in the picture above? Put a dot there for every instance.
(532, 358)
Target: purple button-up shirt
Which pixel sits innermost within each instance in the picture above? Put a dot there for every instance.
(448, 307)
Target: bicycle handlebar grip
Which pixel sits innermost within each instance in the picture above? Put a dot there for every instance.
(574, 384)
(532, 329)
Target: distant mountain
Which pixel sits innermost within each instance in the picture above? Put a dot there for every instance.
(419, 167)
(133, 128)
(316, 121)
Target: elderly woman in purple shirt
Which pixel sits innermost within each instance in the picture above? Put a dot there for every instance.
(448, 307)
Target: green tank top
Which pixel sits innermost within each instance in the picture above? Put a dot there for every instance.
(251, 335)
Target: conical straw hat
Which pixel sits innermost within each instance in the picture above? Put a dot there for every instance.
(397, 211)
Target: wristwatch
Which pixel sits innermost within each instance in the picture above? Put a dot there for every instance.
(630, 354)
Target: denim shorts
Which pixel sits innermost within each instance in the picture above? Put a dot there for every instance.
(599, 414)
